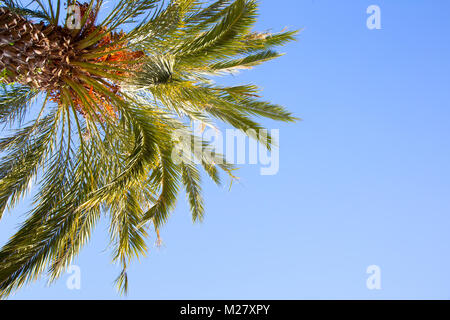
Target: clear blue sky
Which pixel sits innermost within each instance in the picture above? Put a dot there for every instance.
(364, 178)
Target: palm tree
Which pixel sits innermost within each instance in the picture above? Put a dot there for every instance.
(103, 141)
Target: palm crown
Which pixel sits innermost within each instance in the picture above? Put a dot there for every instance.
(103, 140)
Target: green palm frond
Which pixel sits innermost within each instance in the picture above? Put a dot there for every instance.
(23, 10)
(106, 139)
(192, 184)
(14, 102)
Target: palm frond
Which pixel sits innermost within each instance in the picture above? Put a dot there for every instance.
(14, 102)
(191, 181)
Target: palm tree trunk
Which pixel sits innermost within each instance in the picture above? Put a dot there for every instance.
(32, 54)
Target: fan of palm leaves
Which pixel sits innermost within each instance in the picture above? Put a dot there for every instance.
(114, 92)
